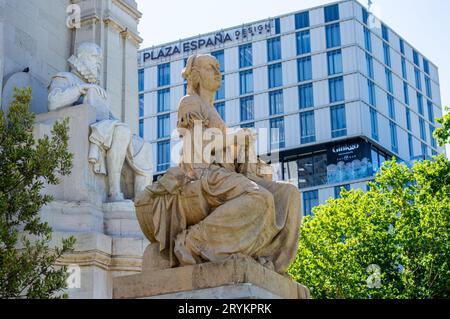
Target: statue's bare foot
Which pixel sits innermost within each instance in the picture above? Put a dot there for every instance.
(117, 197)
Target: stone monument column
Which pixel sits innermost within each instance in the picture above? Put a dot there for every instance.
(112, 24)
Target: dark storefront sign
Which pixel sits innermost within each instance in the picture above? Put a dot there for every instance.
(332, 163)
(347, 161)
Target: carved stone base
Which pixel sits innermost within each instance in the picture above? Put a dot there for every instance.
(236, 278)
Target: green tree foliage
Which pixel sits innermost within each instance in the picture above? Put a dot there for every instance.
(25, 166)
(442, 134)
(389, 242)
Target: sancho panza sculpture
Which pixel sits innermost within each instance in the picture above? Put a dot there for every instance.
(211, 209)
(111, 142)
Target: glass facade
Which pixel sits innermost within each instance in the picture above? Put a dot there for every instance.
(269, 100)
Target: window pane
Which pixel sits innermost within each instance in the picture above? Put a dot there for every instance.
(310, 200)
(277, 133)
(428, 87)
(246, 81)
(303, 42)
(163, 100)
(406, 92)
(408, 119)
(331, 13)
(391, 106)
(141, 80)
(141, 128)
(304, 69)
(374, 123)
(245, 56)
(336, 86)
(389, 84)
(420, 103)
(372, 95)
(141, 105)
(385, 32)
(275, 75)
(338, 121)
(367, 39)
(369, 62)
(394, 142)
(163, 126)
(302, 20)
(418, 79)
(416, 58)
(306, 96)
(163, 156)
(404, 73)
(247, 109)
(430, 112)
(307, 127)
(387, 54)
(333, 34)
(219, 55)
(334, 62)
(220, 94)
(276, 102)
(273, 49)
(164, 74)
(220, 107)
(410, 146)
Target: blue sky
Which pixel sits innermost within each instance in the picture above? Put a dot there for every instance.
(423, 23)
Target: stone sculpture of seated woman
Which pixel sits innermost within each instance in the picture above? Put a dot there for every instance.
(212, 206)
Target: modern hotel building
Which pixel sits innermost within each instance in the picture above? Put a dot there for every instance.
(344, 91)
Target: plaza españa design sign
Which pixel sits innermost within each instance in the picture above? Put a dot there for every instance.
(213, 40)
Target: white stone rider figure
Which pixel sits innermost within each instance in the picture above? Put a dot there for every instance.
(111, 142)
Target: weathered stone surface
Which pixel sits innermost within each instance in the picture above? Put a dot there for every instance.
(222, 280)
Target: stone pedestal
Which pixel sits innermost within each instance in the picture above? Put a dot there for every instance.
(236, 278)
(109, 241)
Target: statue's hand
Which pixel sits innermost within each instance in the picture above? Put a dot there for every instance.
(85, 88)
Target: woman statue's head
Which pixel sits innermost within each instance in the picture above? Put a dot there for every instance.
(202, 71)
